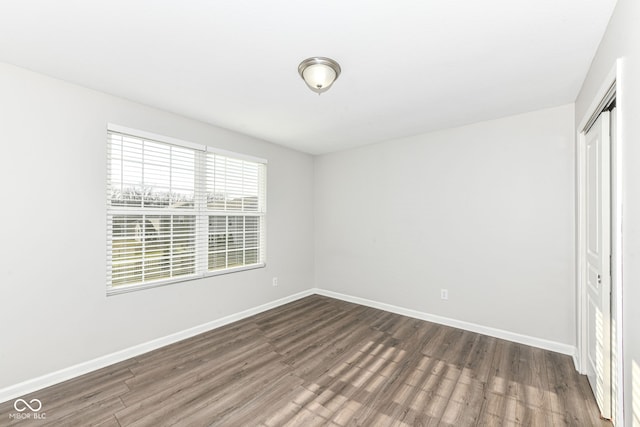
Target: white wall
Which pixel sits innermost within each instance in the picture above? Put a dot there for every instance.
(485, 211)
(54, 312)
(622, 40)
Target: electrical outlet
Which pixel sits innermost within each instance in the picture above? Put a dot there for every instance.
(275, 281)
(444, 294)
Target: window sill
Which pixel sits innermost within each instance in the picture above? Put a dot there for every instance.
(123, 289)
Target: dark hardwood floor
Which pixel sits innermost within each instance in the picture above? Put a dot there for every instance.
(323, 362)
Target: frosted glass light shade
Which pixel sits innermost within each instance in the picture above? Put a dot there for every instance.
(319, 73)
(319, 77)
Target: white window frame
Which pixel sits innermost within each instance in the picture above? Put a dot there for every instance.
(201, 212)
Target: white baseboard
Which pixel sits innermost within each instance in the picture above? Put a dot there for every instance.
(576, 362)
(65, 374)
(485, 330)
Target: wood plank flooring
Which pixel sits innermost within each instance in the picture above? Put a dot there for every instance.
(323, 362)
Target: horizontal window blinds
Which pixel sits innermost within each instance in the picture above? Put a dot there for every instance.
(235, 206)
(176, 212)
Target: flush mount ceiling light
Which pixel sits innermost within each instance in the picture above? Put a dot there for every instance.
(319, 73)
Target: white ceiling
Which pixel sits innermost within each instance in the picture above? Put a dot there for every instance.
(408, 66)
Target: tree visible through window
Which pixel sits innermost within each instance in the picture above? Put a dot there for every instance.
(177, 212)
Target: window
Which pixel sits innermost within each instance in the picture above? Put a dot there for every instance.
(178, 211)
